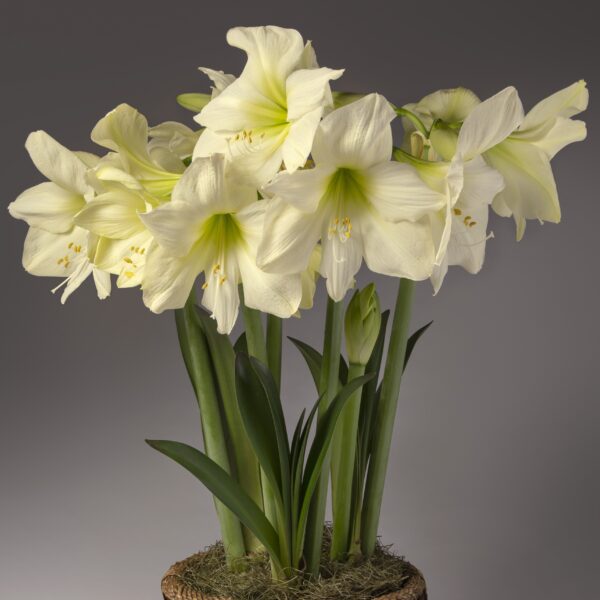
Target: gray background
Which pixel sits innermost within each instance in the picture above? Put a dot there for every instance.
(493, 485)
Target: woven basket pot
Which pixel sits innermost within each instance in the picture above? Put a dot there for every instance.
(174, 589)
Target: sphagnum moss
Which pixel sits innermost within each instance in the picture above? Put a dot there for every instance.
(383, 573)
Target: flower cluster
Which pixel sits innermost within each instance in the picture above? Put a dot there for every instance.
(286, 181)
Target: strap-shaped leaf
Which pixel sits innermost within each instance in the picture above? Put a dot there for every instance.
(412, 341)
(368, 404)
(241, 344)
(193, 102)
(271, 395)
(314, 361)
(296, 439)
(258, 421)
(320, 446)
(225, 488)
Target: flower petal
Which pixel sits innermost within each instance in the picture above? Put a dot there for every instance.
(57, 163)
(113, 214)
(43, 251)
(357, 135)
(220, 80)
(563, 132)
(340, 263)
(168, 280)
(289, 238)
(451, 105)
(273, 54)
(209, 143)
(397, 249)
(565, 103)
(398, 193)
(102, 282)
(278, 295)
(47, 206)
(221, 297)
(308, 89)
(299, 140)
(481, 184)
(202, 183)
(241, 107)
(175, 226)
(303, 189)
(468, 240)
(489, 123)
(530, 191)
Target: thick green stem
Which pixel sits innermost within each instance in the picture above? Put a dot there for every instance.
(342, 473)
(328, 388)
(197, 360)
(274, 334)
(386, 414)
(255, 339)
(241, 452)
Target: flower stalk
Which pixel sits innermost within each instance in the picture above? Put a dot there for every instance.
(386, 415)
(328, 387)
(198, 364)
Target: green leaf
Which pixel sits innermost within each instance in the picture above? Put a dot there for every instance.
(368, 404)
(271, 395)
(193, 102)
(241, 344)
(258, 420)
(320, 446)
(224, 487)
(412, 341)
(314, 361)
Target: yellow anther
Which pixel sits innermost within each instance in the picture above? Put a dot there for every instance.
(143, 251)
(222, 280)
(205, 285)
(467, 219)
(457, 211)
(60, 260)
(129, 274)
(128, 260)
(472, 223)
(70, 245)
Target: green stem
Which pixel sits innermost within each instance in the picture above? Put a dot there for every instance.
(403, 112)
(342, 474)
(242, 454)
(274, 334)
(386, 414)
(328, 388)
(198, 364)
(255, 339)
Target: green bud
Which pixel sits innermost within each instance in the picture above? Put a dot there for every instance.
(363, 319)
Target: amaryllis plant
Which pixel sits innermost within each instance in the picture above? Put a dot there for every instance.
(284, 182)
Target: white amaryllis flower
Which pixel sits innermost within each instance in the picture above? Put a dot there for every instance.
(124, 240)
(470, 185)
(136, 163)
(355, 200)
(55, 246)
(212, 225)
(523, 157)
(271, 112)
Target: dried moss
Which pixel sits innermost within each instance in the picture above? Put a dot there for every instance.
(363, 579)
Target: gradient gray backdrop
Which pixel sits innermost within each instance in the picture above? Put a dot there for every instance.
(493, 483)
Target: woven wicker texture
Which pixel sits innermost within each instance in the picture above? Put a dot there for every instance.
(174, 589)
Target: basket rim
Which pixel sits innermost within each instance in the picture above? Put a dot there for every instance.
(173, 588)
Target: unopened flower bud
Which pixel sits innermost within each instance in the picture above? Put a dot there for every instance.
(363, 319)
